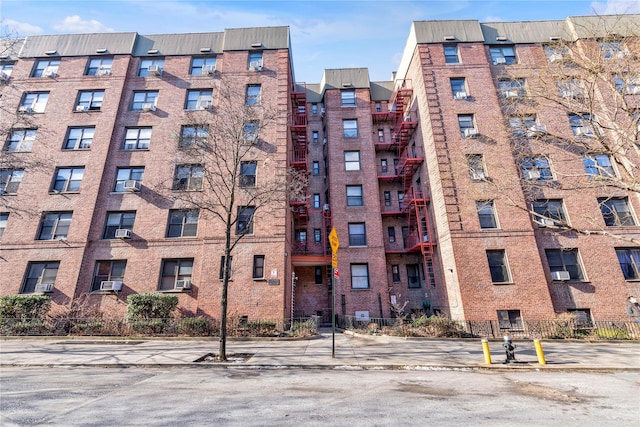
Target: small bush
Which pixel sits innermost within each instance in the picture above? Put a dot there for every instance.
(150, 306)
(611, 334)
(24, 307)
(195, 326)
(24, 327)
(304, 329)
(148, 327)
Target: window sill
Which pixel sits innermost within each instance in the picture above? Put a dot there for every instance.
(502, 283)
(173, 291)
(259, 279)
(104, 292)
(63, 192)
(360, 289)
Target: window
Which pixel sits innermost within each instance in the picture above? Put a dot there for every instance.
(137, 138)
(203, 65)
(183, 223)
(498, 266)
(400, 198)
(188, 177)
(10, 180)
(384, 165)
(191, 135)
(380, 135)
(301, 236)
(116, 221)
(318, 275)
(359, 276)
(571, 88)
(39, 273)
(467, 128)
(598, 165)
(54, 225)
(6, 68)
(459, 88)
(67, 180)
(107, 271)
(616, 211)
(89, 100)
(253, 95)
(475, 162)
(350, 128)
(555, 53)
(613, 49)
(79, 138)
(127, 174)
(314, 136)
(627, 84)
(248, 174)
(354, 195)
(156, 65)
(258, 266)
(510, 319)
(581, 124)
(451, 54)
(348, 98)
(387, 198)
(199, 99)
(536, 168)
(357, 234)
(316, 201)
(582, 316)
(352, 160)
(565, 260)
(413, 276)
(20, 140)
(317, 236)
(391, 231)
(486, 214)
(222, 259)
(316, 168)
(250, 131)
(512, 88)
(144, 101)
(174, 270)
(314, 109)
(548, 212)
(244, 223)
(255, 60)
(4, 218)
(99, 67)
(629, 259)
(34, 102)
(395, 273)
(520, 125)
(505, 55)
(46, 68)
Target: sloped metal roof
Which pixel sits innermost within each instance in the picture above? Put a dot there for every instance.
(314, 93)
(178, 44)
(599, 26)
(524, 32)
(256, 38)
(436, 31)
(345, 78)
(78, 44)
(10, 48)
(381, 91)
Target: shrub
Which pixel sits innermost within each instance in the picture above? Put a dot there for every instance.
(195, 326)
(304, 329)
(24, 307)
(150, 306)
(148, 327)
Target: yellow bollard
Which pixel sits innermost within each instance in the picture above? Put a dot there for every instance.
(539, 352)
(485, 350)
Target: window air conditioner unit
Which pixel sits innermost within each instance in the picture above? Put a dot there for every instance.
(532, 174)
(203, 105)
(183, 284)
(622, 54)
(111, 285)
(255, 66)
(477, 175)
(49, 72)
(44, 287)
(470, 133)
(4, 76)
(25, 109)
(208, 69)
(555, 57)
(500, 61)
(123, 233)
(103, 71)
(560, 275)
(537, 130)
(633, 90)
(155, 70)
(132, 185)
(511, 93)
(80, 108)
(148, 106)
(583, 131)
(325, 207)
(568, 94)
(460, 95)
(543, 222)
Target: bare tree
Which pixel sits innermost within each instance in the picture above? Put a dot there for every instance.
(592, 82)
(220, 154)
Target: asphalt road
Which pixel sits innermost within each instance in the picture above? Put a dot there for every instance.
(244, 396)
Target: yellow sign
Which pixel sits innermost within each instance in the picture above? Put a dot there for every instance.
(334, 259)
(333, 240)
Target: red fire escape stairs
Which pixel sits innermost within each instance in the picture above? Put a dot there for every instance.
(299, 152)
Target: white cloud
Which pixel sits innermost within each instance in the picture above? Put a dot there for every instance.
(20, 28)
(613, 7)
(75, 24)
(492, 19)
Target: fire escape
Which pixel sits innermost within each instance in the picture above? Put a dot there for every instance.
(414, 201)
(298, 156)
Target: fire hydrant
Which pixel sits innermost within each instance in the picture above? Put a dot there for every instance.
(509, 348)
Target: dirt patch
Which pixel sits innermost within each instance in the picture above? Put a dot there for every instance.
(231, 358)
(424, 389)
(547, 393)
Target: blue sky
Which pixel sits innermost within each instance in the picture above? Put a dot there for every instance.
(324, 33)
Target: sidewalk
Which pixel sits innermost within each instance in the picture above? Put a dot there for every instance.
(351, 352)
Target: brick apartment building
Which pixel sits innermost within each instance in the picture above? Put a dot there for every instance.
(418, 175)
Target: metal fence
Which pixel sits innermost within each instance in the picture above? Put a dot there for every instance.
(547, 329)
(186, 326)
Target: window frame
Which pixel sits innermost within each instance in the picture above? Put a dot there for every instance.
(477, 172)
(10, 180)
(576, 271)
(97, 64)
(458, 86)
(351, 165)
(348, 98)
(248, 174)
(357, 234)
(510, 320)
(617, 211)
(86, 133)
(595, 168)
(182, 223)
(632, 261)
(115, 220)
(48, 274)
(114, 273)
(361, 280)
(245, 220)
(353, 199)
(137, 138)
(350, 128)
(253, 94)
(34, 102)
(4, 219)
(449, 57)
(505, 273)
(550, 209)
(94, 101)
(198, 99)
(20, 140)
(188, 177)
(196, 65)
(487, 215)
(499, 51)
(70, 183)
(182, 270)
(466, 121)
(414, 279)
(193, 134)
(135, 173)
(54, 225)
(143, 69)
(53, 64)
(148, 97)
(540, 164)
(258, 267)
